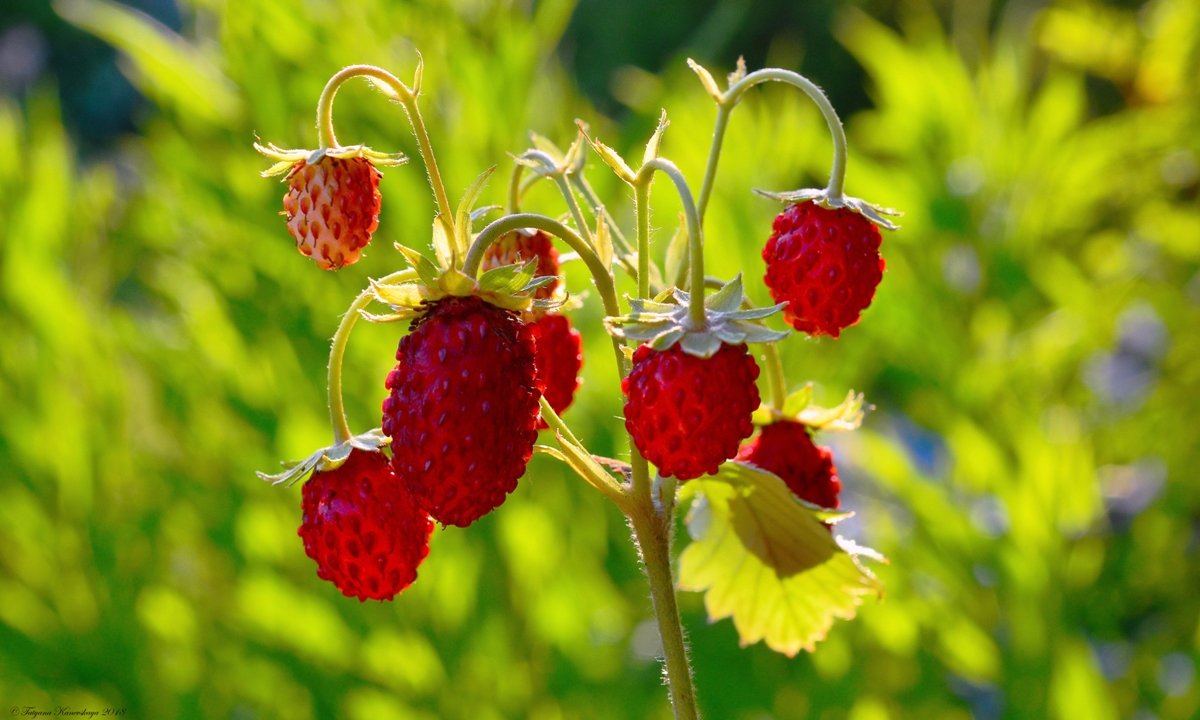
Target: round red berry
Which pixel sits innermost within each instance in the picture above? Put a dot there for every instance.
(520, 247)
(559, 360)
(786, 449)
(687, 414)
(462, 410)
(363, 529)
(825, 264)
(332, 208)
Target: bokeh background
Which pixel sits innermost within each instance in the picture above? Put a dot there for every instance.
(1033, 355)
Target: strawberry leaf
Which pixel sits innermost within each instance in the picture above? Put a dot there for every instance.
(764, 559)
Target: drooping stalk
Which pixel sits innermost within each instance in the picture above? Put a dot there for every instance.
(729, 100)
(407, 97)
(337, 350)
(695, 235)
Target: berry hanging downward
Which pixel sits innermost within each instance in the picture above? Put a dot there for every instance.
(463, 407)
(559, 359)
(691, 392)
(332, 203)
(687, 414)
(520, 247)
(825, 264)
(363, 528)
(786, 448)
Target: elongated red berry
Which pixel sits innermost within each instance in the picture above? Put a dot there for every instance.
(786, 449)
(825, 264)
(363, 529)
(559, 360)
(332, 208)
(687, 414)
(462, 411)
(520, 247)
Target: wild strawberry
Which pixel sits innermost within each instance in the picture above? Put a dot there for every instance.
(463, 408)
(520, 247)
(332, 208)
(559, 359)
(786, 449)
(687, 414)
(363, 528)
(825, 264)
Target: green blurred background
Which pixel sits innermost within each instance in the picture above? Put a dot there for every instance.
(1033, 355)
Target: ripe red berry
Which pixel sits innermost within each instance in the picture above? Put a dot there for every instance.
(559, 359)
(825, 264)
(463, 408)
(332, 208)
(786, 449)
(518, 248)
(363, 528)
(687, 414)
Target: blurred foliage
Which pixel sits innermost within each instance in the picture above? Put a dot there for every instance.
(1033, 354)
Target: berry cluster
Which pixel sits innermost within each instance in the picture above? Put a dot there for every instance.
(491, 357)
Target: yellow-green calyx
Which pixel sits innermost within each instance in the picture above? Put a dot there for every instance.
(286, 159)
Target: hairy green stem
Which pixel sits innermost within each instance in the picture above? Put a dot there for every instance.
(601, 275)
(695, 236)
(337, 350)
(652, 528)
(407, 97)
(837, 173)
(714, 156)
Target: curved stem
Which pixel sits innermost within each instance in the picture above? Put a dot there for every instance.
(337, 350)
(695, 237)
(395, 89)
(837, 172)
(601, 275)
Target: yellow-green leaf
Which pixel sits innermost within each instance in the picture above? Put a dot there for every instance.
(765, 560)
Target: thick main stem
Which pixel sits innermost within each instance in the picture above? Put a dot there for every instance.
(652, 530)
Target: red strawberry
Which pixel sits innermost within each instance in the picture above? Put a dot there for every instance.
(825, 264)
(363, 528)
(559, 359)
(687, 414)
(463, 408)
(332, 207)
(786, 449)
(518, 248)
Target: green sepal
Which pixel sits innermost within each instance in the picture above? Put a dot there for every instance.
(286, 159)
(676, 265)
(326, 458)
(665, 323)
(707, 80)
(872, 212)
(426, 270)
(462, 219)
(799, 407)
(612, 158)
(456, 282)
(655, 140)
